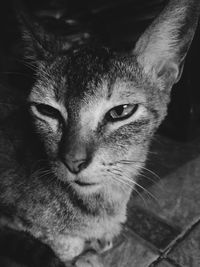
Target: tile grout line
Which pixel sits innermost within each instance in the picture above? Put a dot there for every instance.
(182, 235)
(175, 242)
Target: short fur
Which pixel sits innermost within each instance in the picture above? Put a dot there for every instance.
(39, 193)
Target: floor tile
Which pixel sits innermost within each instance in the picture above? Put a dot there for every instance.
(151, 228)
(165, 263)
(177, 196)
(167, 155)
(171, 205)
(187, 252)
(131, 252)
(163, 214)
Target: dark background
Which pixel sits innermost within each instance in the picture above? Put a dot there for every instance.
(114, 23)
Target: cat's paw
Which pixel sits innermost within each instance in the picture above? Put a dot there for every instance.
(89, 259)
(105, 245)
(99, 245)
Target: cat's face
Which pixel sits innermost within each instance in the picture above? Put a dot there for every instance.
(95, 114)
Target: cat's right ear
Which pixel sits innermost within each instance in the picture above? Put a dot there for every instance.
(162, 48)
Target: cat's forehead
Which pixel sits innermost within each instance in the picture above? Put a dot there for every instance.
(86, 75)
(92, 71)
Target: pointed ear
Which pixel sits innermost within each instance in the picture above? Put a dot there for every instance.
(162, 49)
(36, 42)
(41, 44)
(35, 39)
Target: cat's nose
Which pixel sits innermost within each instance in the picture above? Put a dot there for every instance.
(76, 165)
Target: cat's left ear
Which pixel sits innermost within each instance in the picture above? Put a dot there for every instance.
(162, 49)
(36, 41)
(42, 44)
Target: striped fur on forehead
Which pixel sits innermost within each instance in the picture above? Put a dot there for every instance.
(86, 84)
(80, 73)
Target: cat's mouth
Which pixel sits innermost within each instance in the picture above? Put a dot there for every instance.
(80, 183)
(86, 187)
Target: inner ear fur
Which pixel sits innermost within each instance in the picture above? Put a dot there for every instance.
(162, 48)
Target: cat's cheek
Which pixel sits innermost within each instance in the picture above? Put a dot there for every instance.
(49, 138)
(110, 188)
(51, 146)
(118, 195)
(51, 149)
(60, 171)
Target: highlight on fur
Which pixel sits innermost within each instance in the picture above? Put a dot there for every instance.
(163, 47)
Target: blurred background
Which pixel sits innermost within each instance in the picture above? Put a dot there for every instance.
(114, 23)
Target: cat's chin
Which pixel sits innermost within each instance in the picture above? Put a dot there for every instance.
(87, 184)
(86, 188)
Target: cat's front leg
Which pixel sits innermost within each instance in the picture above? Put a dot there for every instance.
(66, 247)
(92, 256)
(82, 253)
(99, 245)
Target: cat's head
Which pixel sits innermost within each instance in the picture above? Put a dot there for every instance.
(95, 112)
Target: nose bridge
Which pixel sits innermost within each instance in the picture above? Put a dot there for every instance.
(74, 142)
(77, 150)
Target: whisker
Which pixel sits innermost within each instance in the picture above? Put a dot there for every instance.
(120, 180)
(140, 195)
(124, 161)
(35, 68)
(39, 171)
(45, 174)
(28, 64)
(153, 173)
(132, 161)
(146, 169)
(155, 182)
(157, 140)
(135, 183)
(148, 178)
(144, 189)
(140, 174)
(132, 187)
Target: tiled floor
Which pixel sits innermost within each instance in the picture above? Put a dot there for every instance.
(163, 227)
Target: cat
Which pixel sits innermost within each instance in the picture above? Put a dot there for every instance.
(71, 150)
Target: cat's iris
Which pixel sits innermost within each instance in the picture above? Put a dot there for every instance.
(121, 112)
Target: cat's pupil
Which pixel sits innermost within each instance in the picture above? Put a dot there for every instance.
(119, 110)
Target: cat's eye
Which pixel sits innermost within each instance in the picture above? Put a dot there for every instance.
(47, 110)
(121, 112)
